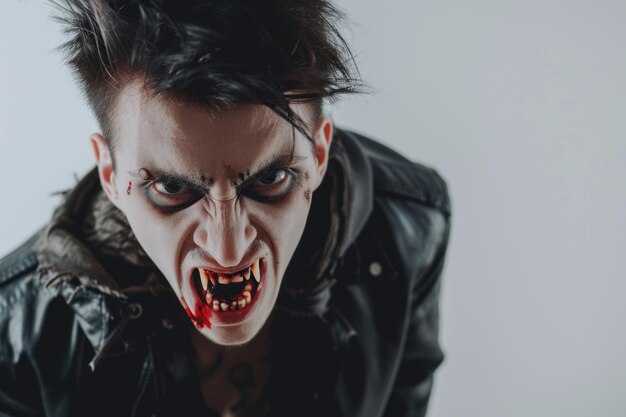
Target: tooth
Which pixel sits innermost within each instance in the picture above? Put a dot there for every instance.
(241, 303)
(247, 296)
(255, 271)
(212, 278)
(208, 297)
(237, 278)
(223, 279)
(233, 305)
(224, 306)
(246, 274)
(204, 278)
(216, 306)
(248, 287)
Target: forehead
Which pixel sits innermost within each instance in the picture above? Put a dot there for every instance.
(184, 137)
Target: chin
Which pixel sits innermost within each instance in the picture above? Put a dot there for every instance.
(232, 335)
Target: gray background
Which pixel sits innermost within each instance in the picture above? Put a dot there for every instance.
(519, 105)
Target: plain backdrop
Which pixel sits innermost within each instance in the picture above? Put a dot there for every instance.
(520, 105)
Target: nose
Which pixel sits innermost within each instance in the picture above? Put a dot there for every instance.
(226, 233)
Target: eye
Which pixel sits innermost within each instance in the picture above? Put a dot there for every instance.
(168, 188)
(271, 185)
(273, 177)
(171, 195)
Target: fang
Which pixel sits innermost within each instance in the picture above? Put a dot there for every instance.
(256, 271)
(204, 278)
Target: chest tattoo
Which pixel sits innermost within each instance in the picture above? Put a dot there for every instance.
(238, 388)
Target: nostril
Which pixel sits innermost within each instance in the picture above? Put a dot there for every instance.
(201, 237)
(250, 233)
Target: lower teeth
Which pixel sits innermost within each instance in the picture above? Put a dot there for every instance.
(219, 304)
(223, 305)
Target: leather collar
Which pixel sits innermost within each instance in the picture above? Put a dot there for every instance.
(357, 190)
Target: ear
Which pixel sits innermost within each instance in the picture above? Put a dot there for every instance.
(105, 167)
(322, 140)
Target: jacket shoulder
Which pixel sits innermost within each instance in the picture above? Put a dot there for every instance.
(17, 298)
(396, 176)
(20, 261)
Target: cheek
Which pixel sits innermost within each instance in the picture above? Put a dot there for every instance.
(157, 234)
(283, 221)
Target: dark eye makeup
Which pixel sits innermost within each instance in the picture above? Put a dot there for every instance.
(172, 194)
(271, 185)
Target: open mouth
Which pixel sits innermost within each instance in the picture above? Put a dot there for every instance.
(229, 292)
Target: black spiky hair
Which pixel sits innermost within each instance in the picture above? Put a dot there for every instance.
(214, 52)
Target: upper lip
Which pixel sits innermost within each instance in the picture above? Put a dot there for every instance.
(230, 270)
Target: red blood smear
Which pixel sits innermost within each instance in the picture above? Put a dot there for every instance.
(202, 316)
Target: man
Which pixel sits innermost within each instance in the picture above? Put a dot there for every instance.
(233, 253)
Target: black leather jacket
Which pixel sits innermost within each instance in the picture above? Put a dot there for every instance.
(87, 334)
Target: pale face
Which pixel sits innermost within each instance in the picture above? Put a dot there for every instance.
(219, 202)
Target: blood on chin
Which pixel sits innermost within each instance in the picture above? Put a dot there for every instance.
(199, 312)
(201, 315)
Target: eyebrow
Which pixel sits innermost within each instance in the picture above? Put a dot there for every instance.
(280, 160)
(157, 174)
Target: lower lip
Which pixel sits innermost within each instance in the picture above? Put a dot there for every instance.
(238, 316)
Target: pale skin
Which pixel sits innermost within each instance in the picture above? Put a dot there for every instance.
(228, 227)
